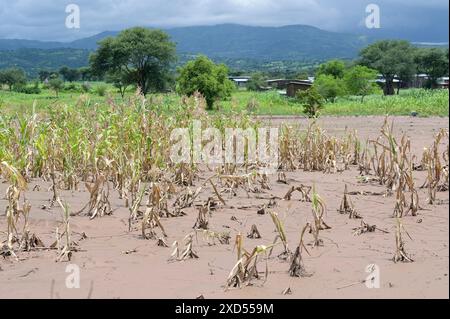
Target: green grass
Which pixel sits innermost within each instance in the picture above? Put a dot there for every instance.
(424, 102)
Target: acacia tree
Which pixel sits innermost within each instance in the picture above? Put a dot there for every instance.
(69, 74)
(391, 58)
(206, 77)
(13, 77)
(433, 62)
(139, 54)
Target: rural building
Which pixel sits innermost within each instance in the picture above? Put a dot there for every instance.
(279, 84)
(294, 86)
(240, 81)
(443, 82)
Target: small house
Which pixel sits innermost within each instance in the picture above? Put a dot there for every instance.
(240, 81)
(294, 86)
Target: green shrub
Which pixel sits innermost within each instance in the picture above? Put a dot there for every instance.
(101, 89)
(311, 100)
(86, 87)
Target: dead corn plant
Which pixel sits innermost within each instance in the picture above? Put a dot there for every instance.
(210, 237)
(66, 249)
(366, 228)
(13, 210)
(254, 233)
(281, 235)
(187, 252)
(151, 221)
(302, 189)
(437, 179)
(318, 210)
(297, 268)
(98, 204)
(203, 218)
(400, 253)
(347, 206)
(245, 270)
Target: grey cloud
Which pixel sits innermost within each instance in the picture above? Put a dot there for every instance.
(44, 19)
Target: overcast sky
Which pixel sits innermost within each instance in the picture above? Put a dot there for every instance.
(45, 19)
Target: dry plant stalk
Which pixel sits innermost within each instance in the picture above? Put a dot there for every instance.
(400, 254)
(319, 209)
(297, 268)
(187, 252)
(203, 218)
(366, 228)
(302, 189)
(254, 233)
(245, 270)
(347, 206)
(211, 236)
(13, 211)
(281, 235)
(151, 220)
(67, 250)
(98, 204)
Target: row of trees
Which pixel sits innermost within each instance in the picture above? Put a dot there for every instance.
(142, 58)
(399, 59)
(334, 79)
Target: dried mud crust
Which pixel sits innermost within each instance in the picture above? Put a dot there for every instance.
(116, 263)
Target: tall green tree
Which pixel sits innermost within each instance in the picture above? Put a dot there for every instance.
(360, 80)
(433, 62)
(206, 77)
(391, 58)
(13, 77)
(335, 68)
(56, 84)
(140, 54)
(69, 74)
(329, 87)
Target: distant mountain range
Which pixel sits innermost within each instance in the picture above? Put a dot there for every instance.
(221, 42)
(235, 41)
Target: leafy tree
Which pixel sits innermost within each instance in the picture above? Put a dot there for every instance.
(329, 87)
(390, 58)
(13, 77)
(433, 62)
(206, 77)
(85, 73)
(69, 74)
(311, 100)
(359, 80)
(43, 75)
(256, 82)
(56, 84)
(140, 54)
(335, 68)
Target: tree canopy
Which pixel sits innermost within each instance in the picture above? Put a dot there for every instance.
(206, 77)
(140, 54)
(433, 62)
(13, 77)
(335, 68)
(391, 58)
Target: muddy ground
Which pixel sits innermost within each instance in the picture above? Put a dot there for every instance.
(115, 263)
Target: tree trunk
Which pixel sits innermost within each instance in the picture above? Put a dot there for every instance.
(389, 87)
